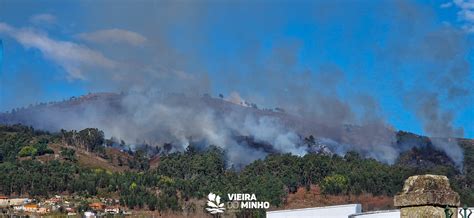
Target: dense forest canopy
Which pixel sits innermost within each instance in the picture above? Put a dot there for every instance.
(192, 174)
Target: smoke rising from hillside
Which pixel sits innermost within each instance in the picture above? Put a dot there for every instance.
(441, 85)
(149, 70)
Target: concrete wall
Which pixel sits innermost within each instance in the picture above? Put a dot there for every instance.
(338, 211)
(378, 214)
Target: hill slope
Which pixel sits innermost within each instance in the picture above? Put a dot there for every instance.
(179, 181)
(246, 131)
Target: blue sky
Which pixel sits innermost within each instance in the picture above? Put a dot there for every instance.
(389, 50)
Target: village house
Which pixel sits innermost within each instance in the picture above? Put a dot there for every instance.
(3, 201)
(32, 208)
(54, 200)
(89, 214)
(110, 201)
(11, 202)
(43, 210)
(55, 208)
(19, 208)
(97, 206)
(70, 210)
(112, 210)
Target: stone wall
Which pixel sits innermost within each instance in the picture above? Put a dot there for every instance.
(426, 196)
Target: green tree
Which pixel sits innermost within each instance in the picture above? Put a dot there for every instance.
(68, 154)
(335, 184)
(27, 151)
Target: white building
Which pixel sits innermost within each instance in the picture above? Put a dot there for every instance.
(112, 210)
(89, 214)
(338, 211)
(377, 214)
(8, 202)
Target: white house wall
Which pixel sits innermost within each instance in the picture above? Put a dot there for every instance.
(378, 214)
(339, 211)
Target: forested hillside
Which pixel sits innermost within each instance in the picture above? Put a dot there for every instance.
(41, 164)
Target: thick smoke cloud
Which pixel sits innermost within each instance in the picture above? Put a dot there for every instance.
(156, 119)
(441, 86)
(446, 51)
(146, 64)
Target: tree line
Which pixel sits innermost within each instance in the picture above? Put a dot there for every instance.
(192, 174)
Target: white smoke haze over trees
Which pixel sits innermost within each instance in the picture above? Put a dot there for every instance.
(163, 83)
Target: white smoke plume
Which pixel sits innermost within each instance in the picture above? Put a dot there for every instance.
(154, 67)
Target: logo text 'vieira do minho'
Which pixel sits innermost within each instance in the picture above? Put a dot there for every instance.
(214, 204)
(236, 201)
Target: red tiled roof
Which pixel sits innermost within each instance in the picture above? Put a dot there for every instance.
(31, 206)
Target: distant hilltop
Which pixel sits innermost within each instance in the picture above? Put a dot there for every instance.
(178, 119)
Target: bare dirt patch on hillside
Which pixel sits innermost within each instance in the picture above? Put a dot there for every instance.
(314, 198)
